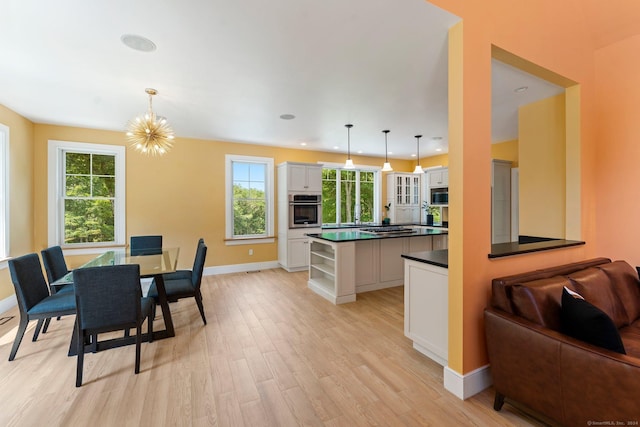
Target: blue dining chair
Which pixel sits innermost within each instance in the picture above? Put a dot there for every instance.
(56, 268)
(34, 300)
(186, 287)
(109, 299)
(184, 274)
(145, 245)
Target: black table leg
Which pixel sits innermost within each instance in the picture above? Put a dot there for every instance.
(166, 313)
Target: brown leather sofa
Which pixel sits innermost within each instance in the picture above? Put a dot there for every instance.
(567, 380)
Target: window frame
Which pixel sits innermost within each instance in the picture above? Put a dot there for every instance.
(56, 151)
(377, 189)
(230, 239)
(5, 249)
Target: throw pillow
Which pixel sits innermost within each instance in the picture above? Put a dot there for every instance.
(586, 322)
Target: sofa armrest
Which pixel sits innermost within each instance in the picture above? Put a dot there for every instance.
(568, 380)
(525, 362)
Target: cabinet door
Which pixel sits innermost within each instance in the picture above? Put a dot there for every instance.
(415, 190)
(439, 178)
(399, 190)
(298, 253)
(314, 178)
(440, 242)
(390, 252)
(297, 178)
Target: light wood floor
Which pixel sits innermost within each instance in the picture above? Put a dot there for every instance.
(272, 354)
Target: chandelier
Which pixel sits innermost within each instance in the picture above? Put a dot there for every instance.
(148, 133)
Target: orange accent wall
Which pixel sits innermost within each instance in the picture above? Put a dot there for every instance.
(552, 35)
(617, 207)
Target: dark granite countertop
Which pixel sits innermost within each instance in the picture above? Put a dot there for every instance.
(439, 258)
(355, 235)
(514, 248)
(377, 224)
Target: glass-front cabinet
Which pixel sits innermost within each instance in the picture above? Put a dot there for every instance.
(403, 192)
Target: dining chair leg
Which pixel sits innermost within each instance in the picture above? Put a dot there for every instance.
(36, 332)
(198, 297)
(22, 327)
(80, 362)
(45, 328)
(138, 343)
(150, 321)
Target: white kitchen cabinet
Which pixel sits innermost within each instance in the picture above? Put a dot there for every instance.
(403, 192)
(304, 178)
(331, 272)
(298, 254)
(426, 309)
(438, 178)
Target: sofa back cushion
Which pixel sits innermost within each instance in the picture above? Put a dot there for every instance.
(539, 301)
(596, 287)
(624, 278)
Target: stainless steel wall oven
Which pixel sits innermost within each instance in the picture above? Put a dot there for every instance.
(305, 210)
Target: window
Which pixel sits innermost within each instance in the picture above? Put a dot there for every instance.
(4, 192)
(249, 199)
(349, 195)
(86, 194)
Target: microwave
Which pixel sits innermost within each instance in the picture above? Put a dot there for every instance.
(439, 197)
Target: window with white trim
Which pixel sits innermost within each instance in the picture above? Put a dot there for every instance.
(249, 199)
(349, 196)
(4, 191)
(86, 194)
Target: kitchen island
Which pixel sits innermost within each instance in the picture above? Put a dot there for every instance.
(426, 302)
(345, 262)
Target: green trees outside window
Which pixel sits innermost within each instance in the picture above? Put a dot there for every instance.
(350, 188)
(89, 198)
(249, 199)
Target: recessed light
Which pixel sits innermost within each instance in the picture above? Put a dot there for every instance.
(138, 43)
(287, 116)
(438, 149)
(521, 89)
(413, 155)
(303, 143)
(335, 147)
(359, 151)
(436, 138)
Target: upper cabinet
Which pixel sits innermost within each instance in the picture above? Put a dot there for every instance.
(438, 178)
(403, 189)
(304, 177)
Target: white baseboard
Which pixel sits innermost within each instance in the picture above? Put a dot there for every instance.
(465, 386)
(7, 303)
(240, 268)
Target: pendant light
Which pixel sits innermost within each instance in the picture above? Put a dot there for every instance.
(387, 166)
(418, 168)
(149, 133)
(349, 163)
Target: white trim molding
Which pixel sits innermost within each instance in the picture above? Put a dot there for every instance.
(465, 386)
(240, 268)
(8, 303)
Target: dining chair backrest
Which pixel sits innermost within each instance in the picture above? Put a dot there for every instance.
(198, 265)
(195, 260)
(54, 263)
(146, 245)
(28, 281)
(107, 296)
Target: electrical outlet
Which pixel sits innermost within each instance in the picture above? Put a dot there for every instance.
(250, 251)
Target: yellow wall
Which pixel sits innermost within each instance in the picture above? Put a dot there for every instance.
(542, 167)
(506, 150)
(20, 191)
(180, 195)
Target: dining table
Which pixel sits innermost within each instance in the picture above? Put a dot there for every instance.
(153, 265)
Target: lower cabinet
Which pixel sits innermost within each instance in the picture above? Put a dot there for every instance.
(426, 309)
(331, 270)
(298, 254)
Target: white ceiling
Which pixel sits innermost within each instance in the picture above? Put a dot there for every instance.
(227, 69)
